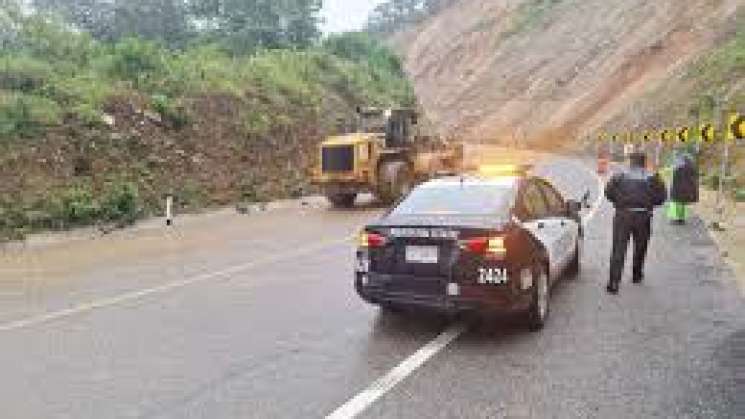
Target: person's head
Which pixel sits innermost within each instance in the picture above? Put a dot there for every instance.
(638, 159)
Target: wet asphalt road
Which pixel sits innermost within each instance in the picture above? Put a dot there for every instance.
(255, 316)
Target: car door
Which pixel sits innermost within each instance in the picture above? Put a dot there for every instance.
(536, 219)
(567, 229)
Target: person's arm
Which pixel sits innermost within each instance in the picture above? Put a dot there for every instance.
(659, 190)
(611, 189)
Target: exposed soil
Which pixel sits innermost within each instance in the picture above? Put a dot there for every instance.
(212, 161)
(482, 73)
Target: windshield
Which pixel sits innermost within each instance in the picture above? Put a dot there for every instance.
(457, 199)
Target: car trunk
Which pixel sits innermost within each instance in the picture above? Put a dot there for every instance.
(409, 259)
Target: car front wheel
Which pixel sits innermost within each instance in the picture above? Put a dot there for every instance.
(540, 305)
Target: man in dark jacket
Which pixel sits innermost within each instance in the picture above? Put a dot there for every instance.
(634, 193)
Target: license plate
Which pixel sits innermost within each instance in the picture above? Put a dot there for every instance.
(492, 276)
(422, 254)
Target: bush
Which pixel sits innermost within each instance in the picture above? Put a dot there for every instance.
(360, 47)
(74, 206)
(366, 69)
(78, 205)
(49, 38)
(12, 221)
(23, 73)
(25, 115)
(170, 110)
(137, 61)
(120, 203)
(83, 89)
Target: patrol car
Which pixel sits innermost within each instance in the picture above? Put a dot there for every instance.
(495, 241)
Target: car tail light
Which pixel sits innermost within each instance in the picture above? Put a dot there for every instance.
(371, 240)
(490, 247)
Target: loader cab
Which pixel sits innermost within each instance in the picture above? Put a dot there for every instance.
(397, 125)
(400, 128)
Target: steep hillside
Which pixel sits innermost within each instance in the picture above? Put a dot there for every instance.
(93, 132)
(542, 71)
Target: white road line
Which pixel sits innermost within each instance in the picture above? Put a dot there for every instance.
(136, 295)
(367, 397)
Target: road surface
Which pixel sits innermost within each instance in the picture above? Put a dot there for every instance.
(235, 316)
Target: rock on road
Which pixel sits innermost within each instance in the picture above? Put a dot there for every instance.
(255, 316)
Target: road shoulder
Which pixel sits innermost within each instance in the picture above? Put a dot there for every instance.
(731, 239)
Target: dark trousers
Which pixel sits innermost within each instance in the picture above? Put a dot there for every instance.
(628, 224)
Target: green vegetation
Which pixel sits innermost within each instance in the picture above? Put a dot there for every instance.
(530, 14)
(36, 88)
(241, 26)
(79, 108)
(717, 75)
(391, 16)
(740, 195)
(72, 206)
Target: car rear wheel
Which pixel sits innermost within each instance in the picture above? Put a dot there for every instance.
(540, 306)
(342, 200)
(576, 264)
(390, 308)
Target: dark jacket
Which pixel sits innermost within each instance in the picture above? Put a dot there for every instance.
(684, 188)
(636, 188)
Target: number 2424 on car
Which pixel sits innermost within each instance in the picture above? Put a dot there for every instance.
(492, 276)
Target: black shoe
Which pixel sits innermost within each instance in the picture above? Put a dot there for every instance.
(638, 279)
(612, 288)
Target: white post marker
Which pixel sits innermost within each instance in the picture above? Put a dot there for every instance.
(725, 165)
(169, 210)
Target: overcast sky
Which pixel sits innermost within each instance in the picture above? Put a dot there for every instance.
(346, 15)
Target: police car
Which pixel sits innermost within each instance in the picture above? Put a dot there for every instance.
(484, 243)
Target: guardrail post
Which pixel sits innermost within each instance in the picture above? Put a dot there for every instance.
(725, 163)
(169, 210)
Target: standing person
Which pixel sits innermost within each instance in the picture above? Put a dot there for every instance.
(634, 193)
(684, 188)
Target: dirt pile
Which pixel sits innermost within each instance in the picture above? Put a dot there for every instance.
(542, 71)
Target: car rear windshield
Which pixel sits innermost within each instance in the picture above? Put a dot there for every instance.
(457, 199)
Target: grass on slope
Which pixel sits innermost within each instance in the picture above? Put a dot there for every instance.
(530, 14)
(716, 76)
(719, 75)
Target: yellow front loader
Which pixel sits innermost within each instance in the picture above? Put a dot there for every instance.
(385, 154)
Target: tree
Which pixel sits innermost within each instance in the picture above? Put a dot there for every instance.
(241, 25)
(166, 21)
(394, 15)
(10, 13)
(246, 25)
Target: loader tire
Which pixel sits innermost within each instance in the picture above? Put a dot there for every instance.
(342, 200)
(396, 180)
